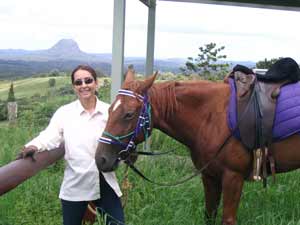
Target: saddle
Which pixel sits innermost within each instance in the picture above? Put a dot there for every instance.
(256, 99)
(256, 103)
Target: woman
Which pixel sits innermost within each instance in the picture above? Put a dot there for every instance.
(79, 125)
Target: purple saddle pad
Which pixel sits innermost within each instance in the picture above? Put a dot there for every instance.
(287, 114)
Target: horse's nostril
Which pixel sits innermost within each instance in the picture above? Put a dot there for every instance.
(102, 160)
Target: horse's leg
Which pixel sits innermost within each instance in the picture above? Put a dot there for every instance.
(212, 190)
(232, 189)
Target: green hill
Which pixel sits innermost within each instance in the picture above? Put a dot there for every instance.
(29, 87)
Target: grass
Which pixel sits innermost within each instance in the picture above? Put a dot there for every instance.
(26, 88)
(35, 202)
(30, 86)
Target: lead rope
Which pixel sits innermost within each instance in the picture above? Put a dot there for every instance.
(126, 186)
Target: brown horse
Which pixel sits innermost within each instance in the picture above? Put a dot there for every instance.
(194, 113)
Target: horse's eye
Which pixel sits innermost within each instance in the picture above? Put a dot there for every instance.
(129, 115)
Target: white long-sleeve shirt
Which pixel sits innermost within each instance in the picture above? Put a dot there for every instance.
(80, 131)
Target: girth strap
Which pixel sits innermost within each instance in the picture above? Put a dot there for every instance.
(256, 132)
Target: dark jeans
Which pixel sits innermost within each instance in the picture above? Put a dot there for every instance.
(108, 205)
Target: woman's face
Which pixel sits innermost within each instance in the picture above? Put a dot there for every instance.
(84, 84)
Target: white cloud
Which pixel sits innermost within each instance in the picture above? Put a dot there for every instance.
(247, 33)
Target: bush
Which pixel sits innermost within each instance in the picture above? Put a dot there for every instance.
(104, 91)
(52, 82)
(3, 111)
(39, 113)
(11, 94)
(66, 90)
(167, 76)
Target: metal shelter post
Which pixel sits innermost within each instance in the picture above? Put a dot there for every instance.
(150, 38)
(118, 47)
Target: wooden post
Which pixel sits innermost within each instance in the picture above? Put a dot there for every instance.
(12, 112)
(16, 172)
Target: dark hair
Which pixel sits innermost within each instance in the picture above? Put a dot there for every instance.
(84, 67)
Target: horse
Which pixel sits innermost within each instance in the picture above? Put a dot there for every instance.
(195, 114)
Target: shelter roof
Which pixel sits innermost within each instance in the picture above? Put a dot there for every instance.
(293, 5)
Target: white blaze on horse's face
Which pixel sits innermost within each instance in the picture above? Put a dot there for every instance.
(116, 105)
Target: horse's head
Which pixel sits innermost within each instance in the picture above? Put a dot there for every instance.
(128, 124)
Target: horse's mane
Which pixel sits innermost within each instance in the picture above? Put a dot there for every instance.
(162, 95)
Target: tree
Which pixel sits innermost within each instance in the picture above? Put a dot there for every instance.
(52, 82)
(266, 64)
(11, 93)
(12, 106)
(54, 73)
(207, 62)
(100, 73)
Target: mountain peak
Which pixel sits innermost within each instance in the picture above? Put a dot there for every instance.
(67, 46)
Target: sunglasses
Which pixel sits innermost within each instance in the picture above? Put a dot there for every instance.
(87, 80)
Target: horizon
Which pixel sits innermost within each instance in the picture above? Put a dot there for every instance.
(248, 34)
(108, 53)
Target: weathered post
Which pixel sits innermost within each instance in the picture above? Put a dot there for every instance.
(12, 112)
(12, 106)
(16, 172)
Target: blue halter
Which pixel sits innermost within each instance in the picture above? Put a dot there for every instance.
(143, 125)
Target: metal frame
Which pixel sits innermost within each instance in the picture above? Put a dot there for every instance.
(117, 73)
(293, 5)
(119, 30)
(118, 47)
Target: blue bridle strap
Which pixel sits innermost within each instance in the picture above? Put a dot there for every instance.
(143, 124)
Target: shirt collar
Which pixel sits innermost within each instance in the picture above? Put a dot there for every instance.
(98, 109)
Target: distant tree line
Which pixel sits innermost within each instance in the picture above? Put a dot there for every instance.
(210, 63)
(266, 64)
(12, 69)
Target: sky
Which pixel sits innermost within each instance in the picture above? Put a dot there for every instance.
(248, 34)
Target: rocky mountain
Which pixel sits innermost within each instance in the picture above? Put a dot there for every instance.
(65, 49)
(65, 55)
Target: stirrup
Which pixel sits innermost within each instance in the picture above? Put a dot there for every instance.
(257, 163)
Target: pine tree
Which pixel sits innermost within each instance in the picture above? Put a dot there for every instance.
(208, 62)
(11, 94)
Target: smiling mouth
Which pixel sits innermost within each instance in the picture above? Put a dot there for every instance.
(85, 91)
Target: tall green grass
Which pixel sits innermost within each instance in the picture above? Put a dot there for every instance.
(35, 202)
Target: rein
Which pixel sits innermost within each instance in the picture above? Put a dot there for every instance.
(130, 146)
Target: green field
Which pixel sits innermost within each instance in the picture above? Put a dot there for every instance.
(31, 86)
(35, 202)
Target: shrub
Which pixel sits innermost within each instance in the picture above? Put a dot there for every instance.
(104, 90)
(3, 111)
(11, 94)
(52, 82)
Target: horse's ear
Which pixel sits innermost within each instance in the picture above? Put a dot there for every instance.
(129, 76)
(149, 81)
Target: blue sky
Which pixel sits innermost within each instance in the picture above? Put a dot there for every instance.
(247, 33)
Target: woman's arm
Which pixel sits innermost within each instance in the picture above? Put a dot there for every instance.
(51, 137)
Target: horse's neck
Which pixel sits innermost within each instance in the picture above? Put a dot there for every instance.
(194, 108)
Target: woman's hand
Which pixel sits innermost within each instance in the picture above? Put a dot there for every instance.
(27, 152)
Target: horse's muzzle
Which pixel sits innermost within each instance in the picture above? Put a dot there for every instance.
(106, 159)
